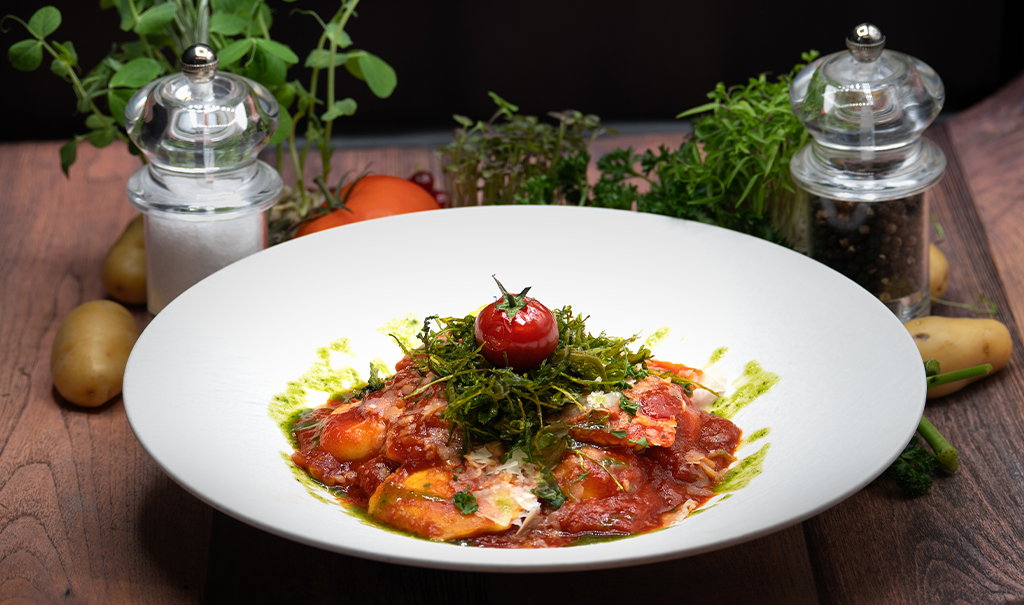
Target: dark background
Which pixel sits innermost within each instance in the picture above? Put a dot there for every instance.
(641, 61)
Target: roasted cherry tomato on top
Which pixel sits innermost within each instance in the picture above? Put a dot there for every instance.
(516, 332)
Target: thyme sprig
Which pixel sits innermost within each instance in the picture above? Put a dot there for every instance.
(488, 403)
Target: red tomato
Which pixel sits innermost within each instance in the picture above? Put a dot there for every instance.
(373, 196)
(521, 342)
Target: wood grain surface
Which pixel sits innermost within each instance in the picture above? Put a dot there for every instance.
(86, 516)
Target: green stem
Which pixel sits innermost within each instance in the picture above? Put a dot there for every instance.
(982, 370)
(945, 453)
(76, 84)
(263, 26)
(325, 148)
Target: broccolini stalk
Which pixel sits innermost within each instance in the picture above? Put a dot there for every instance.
(936, 380)
(945, 453)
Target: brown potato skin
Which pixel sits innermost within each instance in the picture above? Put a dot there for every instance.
(90, 352)
(124, 268)
(959, 343)
(938, 271)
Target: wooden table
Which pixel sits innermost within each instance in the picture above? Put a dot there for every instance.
(87, 517)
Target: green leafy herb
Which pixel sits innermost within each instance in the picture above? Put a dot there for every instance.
(519, 159)
(618, 434)
(642, 442)
(488, 403)
(375, 383)
(733, 172)
(239, 31)
(913, 468)
(549, 491)
(465, 502)
(628, 406)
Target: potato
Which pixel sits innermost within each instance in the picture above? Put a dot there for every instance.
(938, 271)
(91, 350)
(124, 268)
(959, 343)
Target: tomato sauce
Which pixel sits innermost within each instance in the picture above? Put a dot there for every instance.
(391, 452)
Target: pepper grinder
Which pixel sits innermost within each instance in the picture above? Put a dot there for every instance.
(203, 192)
(867, 169)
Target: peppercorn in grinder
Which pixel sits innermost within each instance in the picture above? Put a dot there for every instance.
(867, 170)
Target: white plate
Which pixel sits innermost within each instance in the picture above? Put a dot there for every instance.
(850, 395)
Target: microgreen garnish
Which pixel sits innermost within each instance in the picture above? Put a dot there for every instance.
(465, 502)
(618, 434)
(511, 303)
(488, 403)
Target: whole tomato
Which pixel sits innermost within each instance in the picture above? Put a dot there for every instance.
(515, 331)
(373, 196)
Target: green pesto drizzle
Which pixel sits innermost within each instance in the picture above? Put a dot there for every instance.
(754, 382)
(404, 329)
(717, 355)
(758, 434)
(655, 339)
(744, 472)
(592, 539)
(322, 492)
(286, 407)
(314, 487)
(342, 345)
(319, 377)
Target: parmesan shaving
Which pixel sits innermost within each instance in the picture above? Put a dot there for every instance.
(599, 400)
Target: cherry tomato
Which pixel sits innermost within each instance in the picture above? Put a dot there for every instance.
(518, 334)
(423, 179)
(443, 199)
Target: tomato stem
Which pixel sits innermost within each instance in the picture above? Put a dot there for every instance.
(511, 303)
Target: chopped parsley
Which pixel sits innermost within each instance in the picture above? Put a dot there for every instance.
(628, 406)
(642, 442)
(465, 502)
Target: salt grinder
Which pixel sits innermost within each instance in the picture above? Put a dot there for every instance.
(203, 192)
(866, 172)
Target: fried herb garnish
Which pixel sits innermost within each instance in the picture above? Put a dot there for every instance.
(519, 409)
